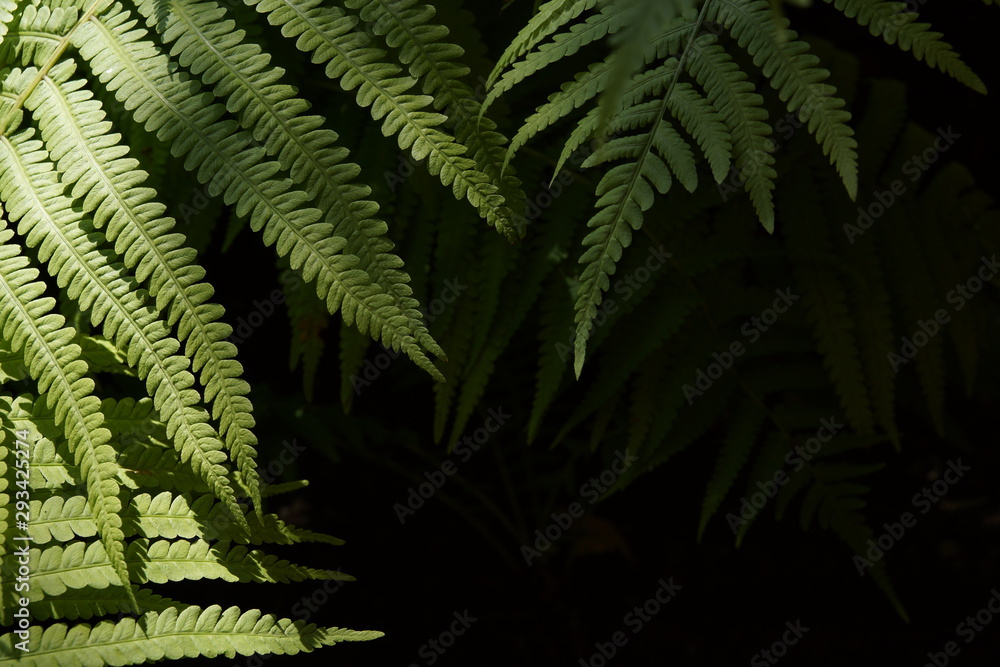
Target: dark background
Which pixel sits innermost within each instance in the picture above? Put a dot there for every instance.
(734, 602)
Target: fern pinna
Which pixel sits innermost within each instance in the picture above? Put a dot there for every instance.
(101, 102)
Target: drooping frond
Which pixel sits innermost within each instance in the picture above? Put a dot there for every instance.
(796, 75)
(742, 110)
(897, 24)
(50, 221)
(204, 39)
(550, 17)
(52, 360)
(405, 25)
(328, 33)
(598, 26)
(646, 21)
(173, 110)
(810, 248)
(75, 130)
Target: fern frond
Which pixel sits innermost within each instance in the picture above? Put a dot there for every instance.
(353, 348)
(769, 459)
(73, 127)
(308, 318)
(647, 21)
(624, 195)
(874, 330)
(612, 17)
(33, 43)
(732, 95)
(163, 516)
(554, 350)
(533, 266)
(12, 368)
(896, 24)
(174, 634)
(405, 25)
(596, 78)
(328, 33)
(172, 106)
(58, 568)
(550, 17)
(48, 220)
(85, 603)
(796, 75)
(205, 40)
(26, 324)
(695, 113)
(838, 504)
(672, 307)
(816, 274)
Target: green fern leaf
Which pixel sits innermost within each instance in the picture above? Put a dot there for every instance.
(327, 32)
(557, 310)
(7, 9)
(550, 17)
(214, 49)
(795, 74)
(405, 25)
(26, 323)
(74, 129)
(175, 634)
(823, 295)
(51, 221)
(732, 95)
(611, 18)
(174, 111)
(87, 603)
(895, 23)
(646, 21)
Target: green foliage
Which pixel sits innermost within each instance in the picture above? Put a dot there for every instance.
(106, 107)
(675, 39)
